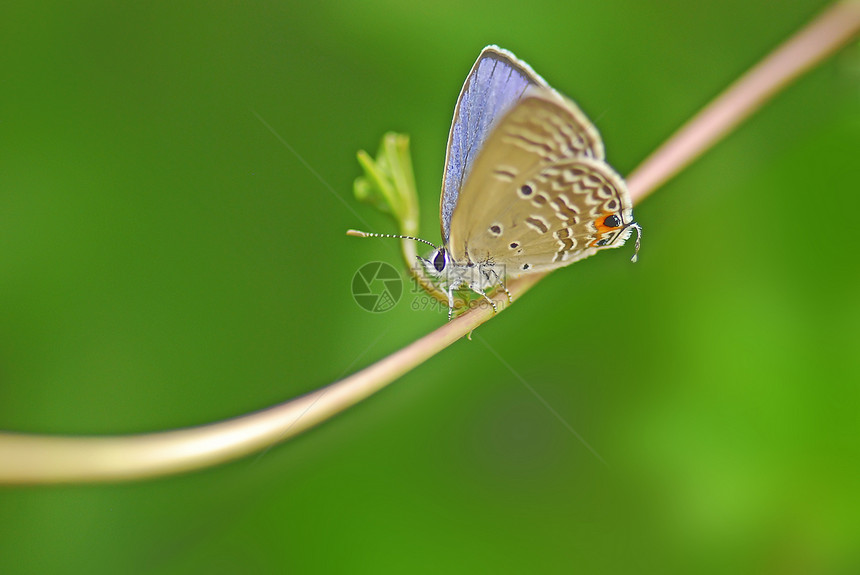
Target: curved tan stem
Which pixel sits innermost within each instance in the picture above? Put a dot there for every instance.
(829, 32)
(58, 459)
(52, 459)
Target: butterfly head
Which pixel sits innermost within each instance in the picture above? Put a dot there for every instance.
(438, 262)
(436, 265)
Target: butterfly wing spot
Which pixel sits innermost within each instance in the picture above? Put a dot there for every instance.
(495, 230)
(538, 224)
(540, 199)
(612, 221)
(525, 191)
(564, 210)
(604, 191)
(566, 243)
(526, 267)
(611, 205)
(565, 238)
(514, 245)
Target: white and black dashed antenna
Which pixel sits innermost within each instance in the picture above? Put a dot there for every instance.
(360, 234)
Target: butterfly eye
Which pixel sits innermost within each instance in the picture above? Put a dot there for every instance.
(439, 261)
(612, 221)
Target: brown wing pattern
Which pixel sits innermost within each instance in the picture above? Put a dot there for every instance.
(540, 195)
(554, 217)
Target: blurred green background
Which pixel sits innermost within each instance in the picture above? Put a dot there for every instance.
(165, 261)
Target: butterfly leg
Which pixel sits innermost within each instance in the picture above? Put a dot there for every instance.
(477, 289)
(450, 303)
(502, 285)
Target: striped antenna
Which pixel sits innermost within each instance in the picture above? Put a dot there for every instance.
(360, 234)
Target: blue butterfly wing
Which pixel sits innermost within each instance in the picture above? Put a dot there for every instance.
(497, 81)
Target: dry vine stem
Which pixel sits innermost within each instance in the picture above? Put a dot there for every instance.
(43, 459)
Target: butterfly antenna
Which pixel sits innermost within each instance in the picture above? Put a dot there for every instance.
(360, 234)
(638, 229)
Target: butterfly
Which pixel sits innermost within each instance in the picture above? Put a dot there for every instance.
(526, 188)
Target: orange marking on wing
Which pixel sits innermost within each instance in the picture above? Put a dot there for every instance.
(603, 229)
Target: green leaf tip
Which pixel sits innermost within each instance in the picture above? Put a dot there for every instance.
(388, 183)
